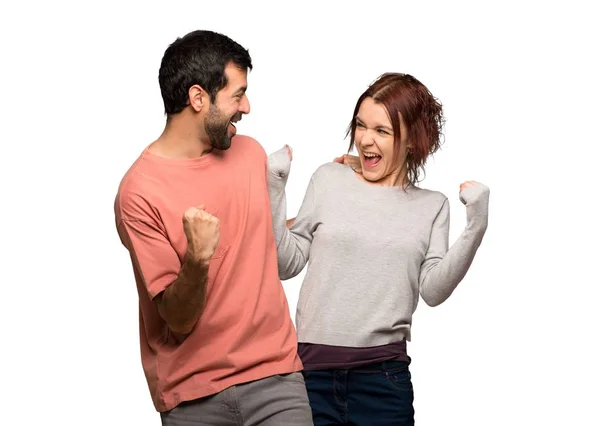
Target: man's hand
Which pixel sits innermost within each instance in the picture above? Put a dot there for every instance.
(349, 160)
(202, 232)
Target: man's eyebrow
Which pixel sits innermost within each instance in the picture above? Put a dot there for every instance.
(240, 90)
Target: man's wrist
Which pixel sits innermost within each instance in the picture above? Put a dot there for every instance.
(197, 260)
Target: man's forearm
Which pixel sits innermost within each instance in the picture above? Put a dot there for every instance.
(182, 303)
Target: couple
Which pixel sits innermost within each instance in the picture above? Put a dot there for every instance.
(202, 213)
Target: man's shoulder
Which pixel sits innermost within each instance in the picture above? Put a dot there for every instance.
(131, 201)
(248, 145)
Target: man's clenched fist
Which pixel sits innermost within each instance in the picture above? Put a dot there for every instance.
(202, 232)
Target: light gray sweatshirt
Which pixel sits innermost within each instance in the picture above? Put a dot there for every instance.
(371, 250)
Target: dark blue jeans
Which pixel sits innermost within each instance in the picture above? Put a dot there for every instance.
(375, 395)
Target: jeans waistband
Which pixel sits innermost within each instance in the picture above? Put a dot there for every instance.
(382, 366)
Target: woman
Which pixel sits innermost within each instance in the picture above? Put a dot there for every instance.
(373, 241)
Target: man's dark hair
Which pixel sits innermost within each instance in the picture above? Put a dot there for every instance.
(199, 57)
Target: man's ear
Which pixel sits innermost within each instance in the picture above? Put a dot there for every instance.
(198, 97)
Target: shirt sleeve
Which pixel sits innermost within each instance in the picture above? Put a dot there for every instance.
(293, 245)
(443, 268)
(154, 260)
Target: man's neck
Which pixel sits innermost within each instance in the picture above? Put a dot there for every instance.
(180, 139)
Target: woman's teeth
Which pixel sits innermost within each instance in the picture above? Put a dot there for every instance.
(371, 159)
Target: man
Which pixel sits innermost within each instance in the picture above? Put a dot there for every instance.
(218, 346)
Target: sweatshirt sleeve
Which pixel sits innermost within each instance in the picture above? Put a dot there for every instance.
(443, 268)
(293, 245)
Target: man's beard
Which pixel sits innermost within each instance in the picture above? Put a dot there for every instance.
(216, 127)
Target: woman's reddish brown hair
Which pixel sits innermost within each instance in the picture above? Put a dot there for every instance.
(403, 95)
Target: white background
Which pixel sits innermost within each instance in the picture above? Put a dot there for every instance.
(517, 342)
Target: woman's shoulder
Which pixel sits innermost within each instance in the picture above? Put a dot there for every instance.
(429, 196)
(330, 170)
